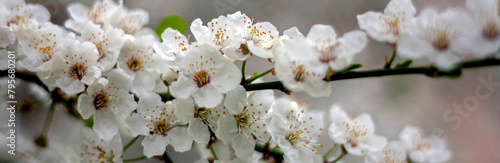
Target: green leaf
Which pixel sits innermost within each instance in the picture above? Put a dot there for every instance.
(404, 64)
(173, 21)
(255, 74)
(351, 67)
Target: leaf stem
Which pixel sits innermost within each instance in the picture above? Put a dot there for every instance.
(213, 152)
(344, 152)
(243, 70)
(167, 158)
(48, 121)
(329, 151)
(253, 78)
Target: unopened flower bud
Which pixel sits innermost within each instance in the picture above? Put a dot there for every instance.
(169, 76)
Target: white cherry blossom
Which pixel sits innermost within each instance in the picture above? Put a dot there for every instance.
(174, 44)
(205, 76)
(98, 13)
(245, 119)
(423, 149)
(295, 76)
(251, 38)
(200, 119)
(158, 118)
(393, 152)
(391, 25)
(94, 149)
(75, 67)
(441, 38)
(322, 49)
(39, 45)
(218, 32)
(108, 42)
(132, 22)
(143, 65)
(295, 132)
(487, 38)
(357, 135)
(106, 99)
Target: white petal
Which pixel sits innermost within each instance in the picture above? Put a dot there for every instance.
(137, 125)
(320, 31)
(179, 138)
(199, 131)
(184, 108)
(85, 106)
(154, 145)
(226, 78)
(374, 143)
(105, 124)
(183, 87)
(353, 42)
(208, 96)
(366, 120)
(236, 99)
(243, 146)
(227, 129)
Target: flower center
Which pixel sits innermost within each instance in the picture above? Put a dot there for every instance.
(201, 78)
(294, 137)
(101, 100)
(78, 70)
(135, 64)
(441, 41)
(327, 50)
(161, 127)
(48, 51)
(355, 132)
(440, 35)
(393, 156)
(423, 144)
(490, 31)
(300, 73)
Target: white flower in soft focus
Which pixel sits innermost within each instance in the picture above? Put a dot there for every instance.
(39, 45)
(205, 76)
(132, 22)
(296, 77)
(423, 149)
(108, 42)
(94, 149)
(98, 13)
(158, 117)
(251, 38)
(357, 135)
(393, 152)
(200, 119)
(295, 132)
(174, 44)
(245, 118)
(143, 65)
(487, 38)
(75, 67)
(321, 49)
(106, 99)
(217, 32)
(440, 37)
(390, 25)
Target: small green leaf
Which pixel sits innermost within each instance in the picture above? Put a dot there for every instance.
(254, 75)
(351, 67)
(173, 21)
(404, 64)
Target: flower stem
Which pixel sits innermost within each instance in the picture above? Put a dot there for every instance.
(167, 158)
(213, 152)
(243, 69)
(130, 143)
(329, 152)
(48, 121)
(253, 78)
(388, 63)
(135, 159)
(344, 152)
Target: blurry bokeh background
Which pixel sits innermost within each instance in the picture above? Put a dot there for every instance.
(472, 133)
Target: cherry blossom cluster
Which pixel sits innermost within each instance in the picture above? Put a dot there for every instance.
(178, 91)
